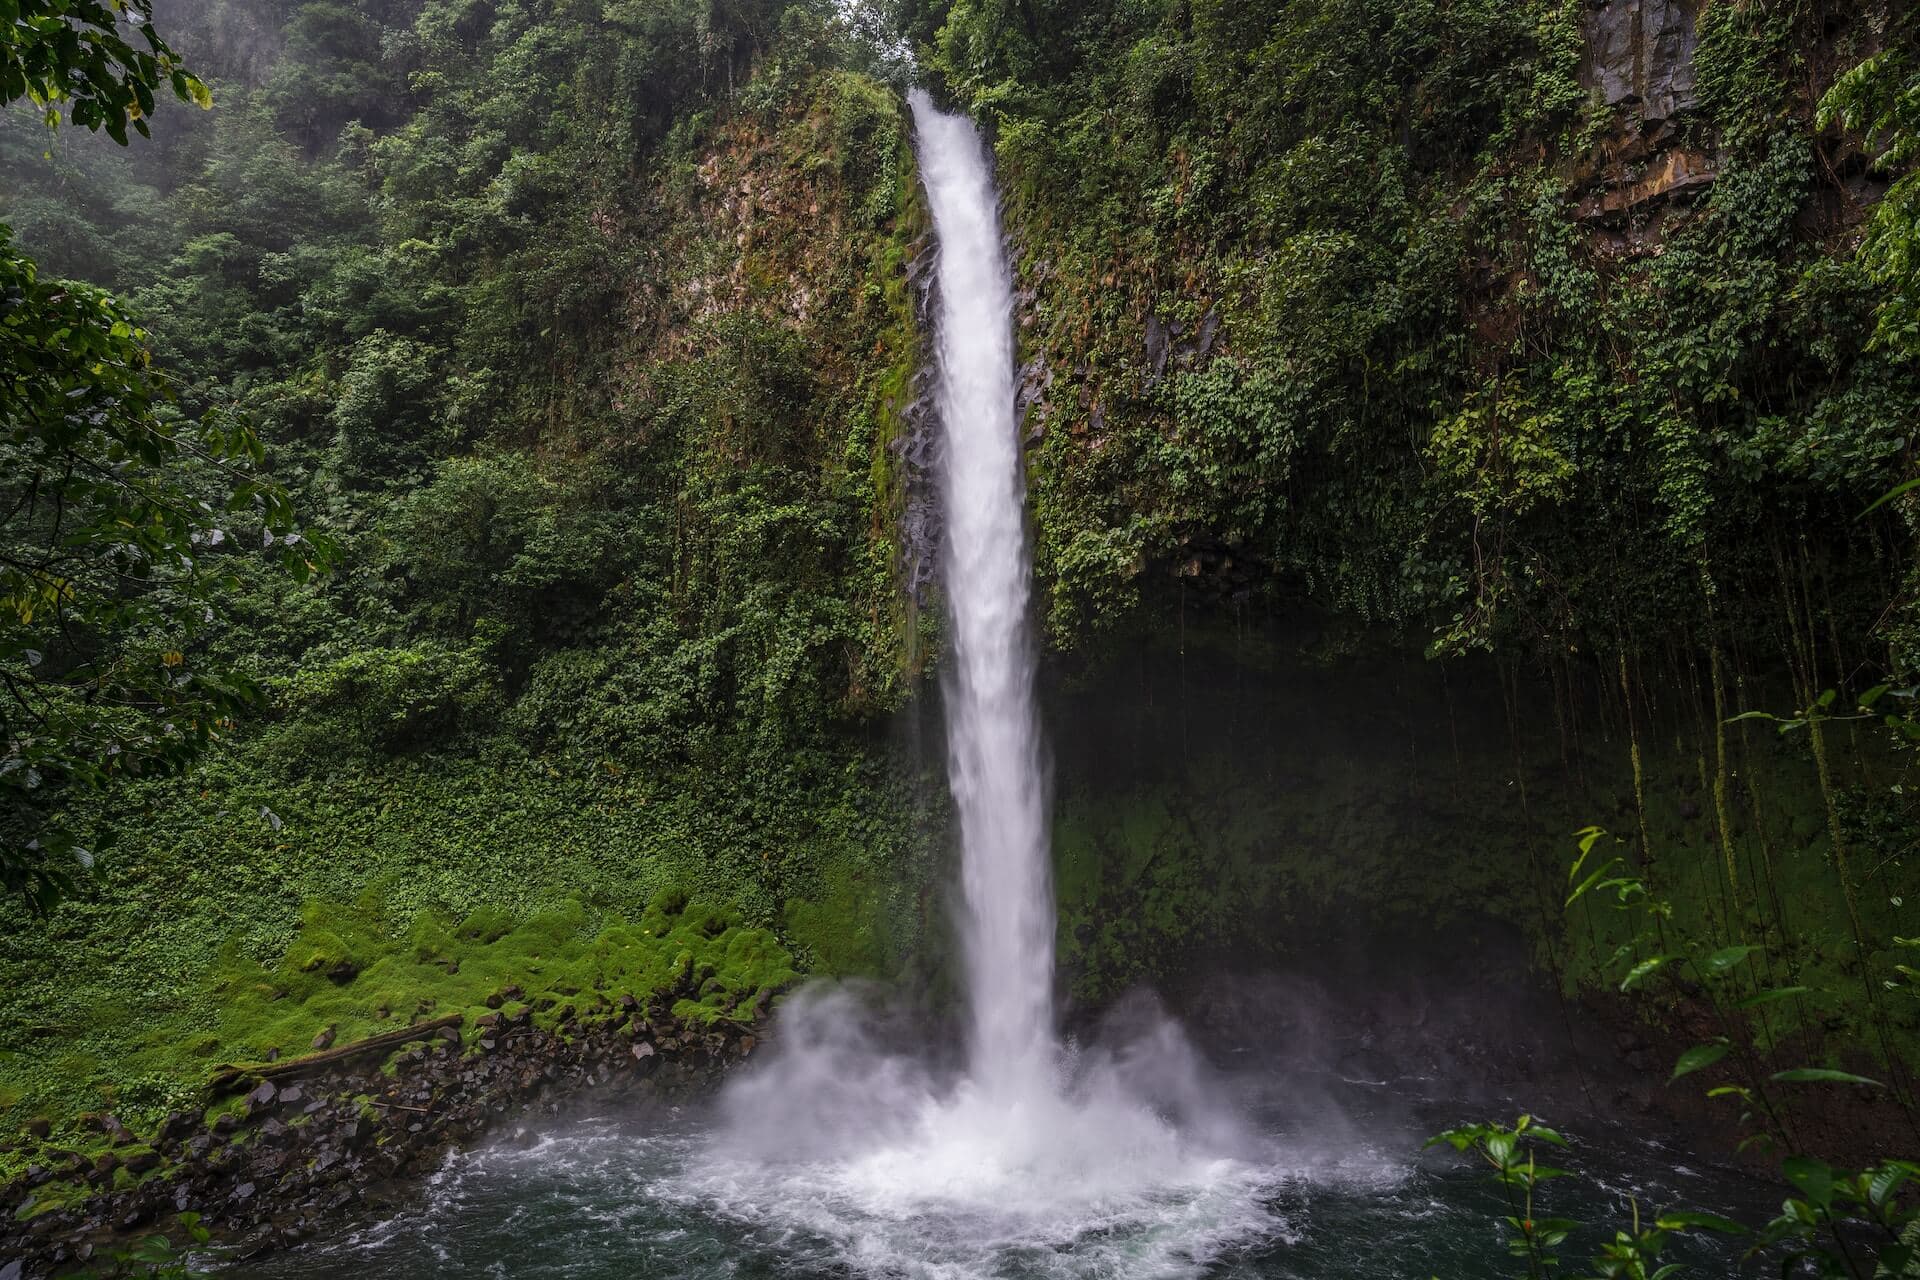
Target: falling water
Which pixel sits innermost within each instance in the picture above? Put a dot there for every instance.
(1121, 1157)
(843, 1156)
(993, 733)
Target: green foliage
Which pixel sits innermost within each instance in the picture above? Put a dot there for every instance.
(1838, 1223)
(347, 971)
(385, 700)
(1880, 100)
(157, 1257)
(1511, 1151)
(249, 859)
(1335, 286)
(120, 521)
(587, 330)
(113, 508)
(357, 970)
(606, 450)
(72, 53)
(1742, 992)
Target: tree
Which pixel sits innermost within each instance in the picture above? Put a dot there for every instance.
(116, 511)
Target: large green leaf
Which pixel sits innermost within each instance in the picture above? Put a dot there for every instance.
(1646, 968)
(1699, 1057)
(1907, 486)
(1726, 958)
(1887, 1179)
(1821, 1075)
(1813, 1178)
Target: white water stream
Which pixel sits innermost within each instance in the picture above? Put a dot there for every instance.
(1038, 1157)
(1113, 1160)
(993, 728)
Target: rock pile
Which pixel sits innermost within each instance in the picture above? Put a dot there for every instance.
(310, 1142)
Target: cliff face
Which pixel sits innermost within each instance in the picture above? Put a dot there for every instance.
(1638, 55)
(1657, 146)
(606, 413)
(1354, 333)
(1637, 66)
(1491, 326)
(1528, 338)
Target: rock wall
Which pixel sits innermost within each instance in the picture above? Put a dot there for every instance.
(1639, 56)
(1638, 65)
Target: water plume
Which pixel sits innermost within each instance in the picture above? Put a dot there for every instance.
(993, 728)
(1029, 1147)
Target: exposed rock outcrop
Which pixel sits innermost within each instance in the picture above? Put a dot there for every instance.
(1638, 65)
(1639, 56)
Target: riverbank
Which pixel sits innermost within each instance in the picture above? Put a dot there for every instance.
(289, 1092)
(297, 1145)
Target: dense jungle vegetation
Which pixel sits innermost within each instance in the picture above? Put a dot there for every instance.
(610, 580)
(545, 369)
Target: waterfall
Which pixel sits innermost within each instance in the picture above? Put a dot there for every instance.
(993, 732)
(1123, 1156)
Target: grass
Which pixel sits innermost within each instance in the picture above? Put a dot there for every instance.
(423, 887)
(348, 974)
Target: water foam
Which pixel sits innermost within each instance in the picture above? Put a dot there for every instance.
(1120, 1159)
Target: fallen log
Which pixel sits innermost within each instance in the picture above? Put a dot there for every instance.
(229, 1074)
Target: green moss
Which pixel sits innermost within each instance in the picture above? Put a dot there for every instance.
(565, 957)
(51, 1196)
(846, 929)
(232, 1104)
(485, 924)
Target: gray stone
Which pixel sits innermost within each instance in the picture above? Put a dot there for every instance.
(1639, 54)
(1159, 341)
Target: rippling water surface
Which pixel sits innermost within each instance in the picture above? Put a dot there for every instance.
(660, 1196)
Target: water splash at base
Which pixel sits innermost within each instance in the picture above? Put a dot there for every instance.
(1119, 1160)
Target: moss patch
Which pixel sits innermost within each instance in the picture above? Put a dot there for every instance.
(350, 971)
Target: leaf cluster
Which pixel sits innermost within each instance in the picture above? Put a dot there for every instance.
(76, 54)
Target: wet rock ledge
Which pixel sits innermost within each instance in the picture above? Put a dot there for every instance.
(288, 1147)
